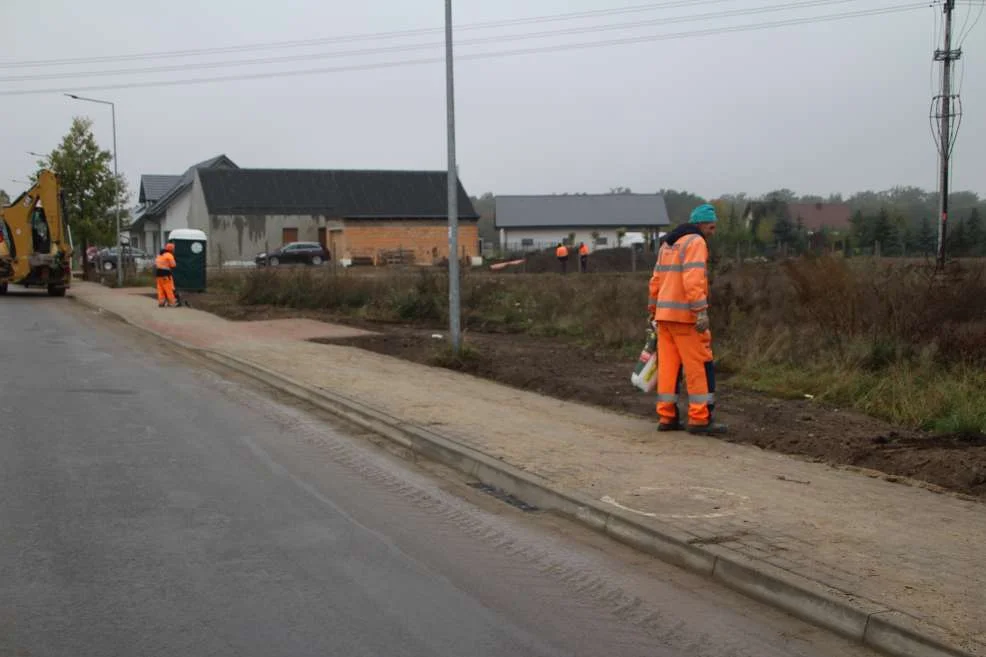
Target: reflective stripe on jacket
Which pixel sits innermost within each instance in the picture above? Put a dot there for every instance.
(163, 264)
(679, 287)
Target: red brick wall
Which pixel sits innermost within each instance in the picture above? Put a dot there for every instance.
(428, 239)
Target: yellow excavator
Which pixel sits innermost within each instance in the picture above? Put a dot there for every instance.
(35, 241)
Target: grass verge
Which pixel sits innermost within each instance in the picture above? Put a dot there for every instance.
(895, 341)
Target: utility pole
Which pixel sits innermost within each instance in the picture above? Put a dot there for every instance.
(943, 108)
(453, 191)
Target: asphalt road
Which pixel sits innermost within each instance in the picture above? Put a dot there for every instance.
(149, 506)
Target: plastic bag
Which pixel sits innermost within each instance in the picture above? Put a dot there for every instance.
(644, 375)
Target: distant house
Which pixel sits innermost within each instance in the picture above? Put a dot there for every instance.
(815, 217)
(360, 216)
(164, 202)
(528, 223)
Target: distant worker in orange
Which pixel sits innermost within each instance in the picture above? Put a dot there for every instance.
(562, 254)
(583, 257)
(164, 265)
(679, 304)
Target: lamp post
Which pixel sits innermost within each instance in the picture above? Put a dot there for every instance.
(116, 178)
(453, 191)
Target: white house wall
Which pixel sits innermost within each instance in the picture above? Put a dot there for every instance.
(176, 215)
(151, 238)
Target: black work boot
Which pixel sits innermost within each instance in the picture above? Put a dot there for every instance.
(672, 426)
(710, 429)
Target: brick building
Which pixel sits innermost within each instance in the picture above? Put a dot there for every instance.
(362, 217)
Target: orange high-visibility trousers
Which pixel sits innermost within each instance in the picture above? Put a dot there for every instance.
(165, 290)
(680, 346)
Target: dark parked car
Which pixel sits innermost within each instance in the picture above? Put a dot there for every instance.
(107, 258)
(304, 253)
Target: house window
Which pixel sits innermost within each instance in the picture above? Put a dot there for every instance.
(527, 241)
(602, 241)
(289, 235)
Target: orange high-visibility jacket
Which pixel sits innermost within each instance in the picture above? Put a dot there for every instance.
(583, 250)
(163, 264)
(561, 251)
(679, 287)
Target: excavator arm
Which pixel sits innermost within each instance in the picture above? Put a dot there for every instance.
(36, 248)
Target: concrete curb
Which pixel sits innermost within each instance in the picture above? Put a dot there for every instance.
(874, 625)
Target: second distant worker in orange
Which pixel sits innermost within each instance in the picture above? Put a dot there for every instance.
(164, 266)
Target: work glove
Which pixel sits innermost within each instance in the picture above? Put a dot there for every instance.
(702, 321)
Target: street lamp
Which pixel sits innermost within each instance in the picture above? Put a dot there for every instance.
(116, 177)
(453, 191)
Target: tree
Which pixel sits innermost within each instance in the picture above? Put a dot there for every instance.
(800, 238)
(924, 241)
(680, 204)
(781, 196)
(485, 207)
(956, 243)
(863, 229)
(974, 234)
(783, 230)
(885, 232)
(764, 231)
(4, 198)
(620, 190)
(92, 193)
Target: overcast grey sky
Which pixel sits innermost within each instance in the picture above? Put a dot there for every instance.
(833, 106)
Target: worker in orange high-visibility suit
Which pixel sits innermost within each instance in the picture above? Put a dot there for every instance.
(164, 265)
(679, 305)
(583, 257)
(562, 254)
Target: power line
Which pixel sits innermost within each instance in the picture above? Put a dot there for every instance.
(376, 36)
(964, 33)
(373, 36)
(802, 4)
(478, 56)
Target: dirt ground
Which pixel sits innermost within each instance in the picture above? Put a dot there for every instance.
(602, 378)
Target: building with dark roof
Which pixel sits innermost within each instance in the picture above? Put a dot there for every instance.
(527, 223)
(164, 202)
(359, 216)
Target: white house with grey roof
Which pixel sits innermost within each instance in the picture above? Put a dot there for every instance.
(165, 202)
(533, 223)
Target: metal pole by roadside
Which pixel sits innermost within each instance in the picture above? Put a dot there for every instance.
(453, 191)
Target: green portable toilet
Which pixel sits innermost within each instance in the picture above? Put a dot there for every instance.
(190, 252)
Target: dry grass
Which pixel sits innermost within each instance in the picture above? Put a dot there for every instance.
(893, 340)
